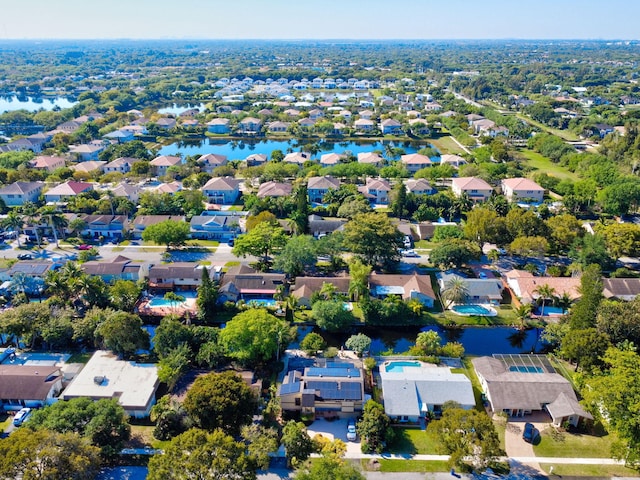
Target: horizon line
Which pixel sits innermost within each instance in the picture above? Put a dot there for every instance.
(332, 39)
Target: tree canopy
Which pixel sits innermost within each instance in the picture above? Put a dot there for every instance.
(373, 238)
(170, 233)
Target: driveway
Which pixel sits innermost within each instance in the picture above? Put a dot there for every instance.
(515, 446)
(332, 430)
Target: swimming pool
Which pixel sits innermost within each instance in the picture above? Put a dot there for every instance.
(478, 310)
(549, 311)
(161, 302)
(36, 358)
(398, 367)
(262, 302)
(525, 369)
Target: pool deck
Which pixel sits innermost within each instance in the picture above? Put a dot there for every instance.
(187, 307)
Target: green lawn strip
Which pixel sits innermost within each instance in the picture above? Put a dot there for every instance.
(425, 245)
(79, 358)
(425, 466)
(564, 444)
(414, 441)
(446, 144)
(545, 165)
(203, 243)
(5, 421)
(475, 384)
(596, 471)
(564, 134)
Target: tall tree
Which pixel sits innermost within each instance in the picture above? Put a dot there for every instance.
(300, 215)
(297, 256)
(373, 238)
(122, 333)
(584, 312)
(262, 241)
(297, 442)
(170, 233)
(399, 201)
(14, 221)
(374, 428)
(207, 299)
(359, 283)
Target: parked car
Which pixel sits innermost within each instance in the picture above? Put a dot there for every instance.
(84, 246)
(351, 431)
(231, 242)
(21, 416)
(529, 433)
(25, 256)
(409, 253)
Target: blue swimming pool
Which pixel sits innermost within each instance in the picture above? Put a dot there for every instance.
(398, 367)
(549, 311)
(161, 302)
(35, 358)
(472, 310)
(526, 369)
(262, 302)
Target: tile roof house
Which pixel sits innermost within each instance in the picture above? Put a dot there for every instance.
(176, 276)
(477, 189)
(333, 390)
(305, 287)
(364, 125)
(245, 283)
(86, 152)
(522, 384)
(413, 392)
(256, 159)
(317, 187)
(522, 190)
(278, 126)
(127, 190)
(376, 190)
(419, 186)
(274, 189)
(47, 163)
(330, 159)
(222, 190)
(118, 268)
(161, 164)
(525, 285)
(143, 221)
(391, 126)
(171, 188)
(415, 161)
(405, 286)
(19, 193)
(479, 290)
(250, 125)
(454, 160)
(90, 167)
(166, 123)
(119, 136)
(297, 157)
(30, 386)
(133, 384)
(218, 125)
(212, 225)
(120, 165)
(65, 190)
(210, 161)
(107, 226)
(371, 158)
(626, 289)
(324, 226)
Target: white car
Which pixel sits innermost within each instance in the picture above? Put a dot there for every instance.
(21, 416)
(351, 431)
(410, 253)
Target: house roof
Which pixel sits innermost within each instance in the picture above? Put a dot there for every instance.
(171, 187)
(415, 159)
(118, 162)
(176, 270)
(274, 189)
(407, 283)
(146, 220)
(331, 158)
(86, 148)
(218, 121)
(165, 161)
(324, 182)
(623, 288)
(476, 287)
(418, 185)
(133, 384)
(125, 190)
(30, 268)
(27, 382)
(319, 224)
(213, 159)
(70, 188)
(110, 267)
(391, 122)
(256, 158)
(454, 160)
(378, 184)
(470, 183)
(222, 183)
(517, 184)
(305, 286)
(89, 166)
(509, 389)
(46, 161)
(369, 157)
(244, 279)
(297, 157)
(20, 188)
(566, 406)
(526, 286)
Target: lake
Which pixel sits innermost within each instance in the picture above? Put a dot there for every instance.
(178, 108)
(476, 340)
(240, 149)
(33, 104)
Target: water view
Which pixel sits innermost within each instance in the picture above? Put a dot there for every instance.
(240, 149)
(177, 109)
(33, 104)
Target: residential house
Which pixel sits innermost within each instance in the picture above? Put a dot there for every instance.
(127, 190)
(245, 283)
(522, 190)
(339, 129)
(35, 143)
(214, 225)
(161, 164)
(322, 226)
(318, 187)
(118, 268)
(86, 152)
(364, 125)
(133, 384)
(454, 160)
(120, 165)
(376, 190)
(602, 129)
(143, 221)
(477, 189)
(432, 106)
(30, 386)
(391, 126)
(170, 188)
(176, 276)
(119, 136)
(366, 114)
(522, 384)
(407, 287)
(278, 127)
(306, 124)
(297, 157)
(166, 123)
(371, 158)
(417, 390)
(47, 163)
(210, 161)
(64, 191)
(479, 290)
(222, 190)
(90, 167)
(419, 126)
(333, 390)
(526, 286)
(305, 287)
(415, 161)
(626, 289)
(107, 226)
(219, 126)
(419, 186)
(274, 189)
(19, 193)
(256, 159)
(250, 125)
(330, 159)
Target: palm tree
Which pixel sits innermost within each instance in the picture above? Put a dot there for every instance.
(15, 221)
(174, 299)
(359, 284)
(545, 292)
(32, 217)
(77, 225)
(56, 284)
(493, 256)
(22, 283)
(328, 290)
(456, 290)
(564, 301)
(522, 313)
(56, 220)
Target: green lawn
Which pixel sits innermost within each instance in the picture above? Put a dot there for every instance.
(79, 358)
(545, 165)
(575, 445)
(5, 421)
(425, 245)
(564, 134)
(446, 144)
(203, 243)
(424, 466)
(414, 441)
(596, 471)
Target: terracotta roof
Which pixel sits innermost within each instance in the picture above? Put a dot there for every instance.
(222, 183)
(70, 188)
(165, 161)
(274, 189)
(326, 181)
(521, 184)
(415, 158)
(415, 282)
(471, 183)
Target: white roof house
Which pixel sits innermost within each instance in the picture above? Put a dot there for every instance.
(106, 376)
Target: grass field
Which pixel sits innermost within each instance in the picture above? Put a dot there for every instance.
(565, 444)
(79, 358)
(446, 144)
(564, 134)
(545, 165)
(414, 441)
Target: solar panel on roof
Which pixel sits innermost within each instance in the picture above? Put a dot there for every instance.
(333, 372)
(289, 388)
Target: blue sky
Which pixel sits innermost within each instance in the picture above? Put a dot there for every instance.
(323, 19)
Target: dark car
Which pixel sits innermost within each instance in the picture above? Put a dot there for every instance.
(25, 256)
(231, 242)
(529, 433)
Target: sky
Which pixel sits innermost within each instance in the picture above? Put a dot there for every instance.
(319, 19)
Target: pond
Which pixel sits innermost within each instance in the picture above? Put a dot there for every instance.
(476, 340)
(178, 108)
(240, 149)
(33, 104)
